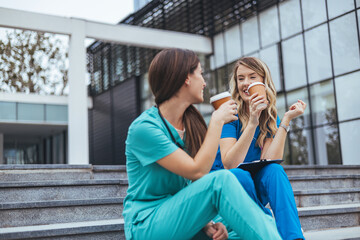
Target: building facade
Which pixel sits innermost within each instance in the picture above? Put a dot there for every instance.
(311, 47)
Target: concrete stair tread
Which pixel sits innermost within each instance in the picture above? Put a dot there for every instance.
(326, 191)
(334, 234)
(322, 177)
(61, 183)
(329, 209)
(44, 166)
(57, 229)
(61, 203)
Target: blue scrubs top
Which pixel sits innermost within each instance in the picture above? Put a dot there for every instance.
(233, 130)
(150, 184)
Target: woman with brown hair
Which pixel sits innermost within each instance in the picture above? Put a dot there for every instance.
(259, 134)
(169, 145)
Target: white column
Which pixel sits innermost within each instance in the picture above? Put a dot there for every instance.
(2, 148)
(78, 136)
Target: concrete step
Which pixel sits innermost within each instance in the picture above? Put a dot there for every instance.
(324, 182)
(90, 230)
(37, 172)
(61, 190)
(320, 197)
(109, 172)
(296, 170)
(330, 216)
(60, 211)
(334, 234)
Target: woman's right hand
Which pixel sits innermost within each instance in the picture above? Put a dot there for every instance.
(226, 112)
(255, 112)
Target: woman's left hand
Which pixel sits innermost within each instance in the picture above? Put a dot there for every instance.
(295, 110)
(217, 231)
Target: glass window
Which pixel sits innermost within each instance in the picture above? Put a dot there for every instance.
(327, 148)
(250, 35)
(318, 53)
(233, 43)
(323, 103)
(358, 3)
(290, 18)
(336, 7)
(301, 147)
(219, 53)
(7, 111)
(350, 150)
(344, 44)
(294, 62)
(303, 120)
(314, 12)
(270, 56)
(212, 62)
(269, 26)
(347, 96)
(222, 79)
(30, 112)
(56, 113)
(280, 105)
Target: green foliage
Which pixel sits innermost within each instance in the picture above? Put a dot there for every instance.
(33, 62)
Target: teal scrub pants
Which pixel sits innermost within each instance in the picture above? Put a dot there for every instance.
(184, 214)
(271, 185)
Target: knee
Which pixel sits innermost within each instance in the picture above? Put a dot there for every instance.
(223, 178)
(274, 168)
(244, 177)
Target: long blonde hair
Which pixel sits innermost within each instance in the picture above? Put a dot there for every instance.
(267, 120)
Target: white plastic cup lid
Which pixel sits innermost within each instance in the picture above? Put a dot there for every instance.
(253, 84)
(219, 96)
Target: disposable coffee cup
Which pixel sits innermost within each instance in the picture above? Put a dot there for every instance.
(259, 88)
(219, 99)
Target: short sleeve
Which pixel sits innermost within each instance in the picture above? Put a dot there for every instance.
(278, 121)
(230, 130)
(148, 143)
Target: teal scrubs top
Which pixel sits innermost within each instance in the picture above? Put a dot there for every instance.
(150, 184)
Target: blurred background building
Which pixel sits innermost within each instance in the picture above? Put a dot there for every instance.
(311, 48)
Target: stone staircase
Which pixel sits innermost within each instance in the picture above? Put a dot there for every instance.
(85, 201)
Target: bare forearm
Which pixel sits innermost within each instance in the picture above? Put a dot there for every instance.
(237, 153)
(276, 148)
(204, 159)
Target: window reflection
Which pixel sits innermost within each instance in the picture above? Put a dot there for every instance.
(349, 135)
(323, 103)
(31, 112)
(269, 26)
(344, 44)
(7, 111)
(233, 43)
(270, 56)
(223, 79)
(303, 120)
(294, 62)
(327, 145)
(347, 96)
(219, 53)
(250, 35)
(301, 147)
(336, 7)
(56, 113)
(280, 105)
(290, 18)
(318, 53)
(314, 12)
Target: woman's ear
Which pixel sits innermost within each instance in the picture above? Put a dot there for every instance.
(187, 82)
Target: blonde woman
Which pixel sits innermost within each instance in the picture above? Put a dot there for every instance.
(259, 134)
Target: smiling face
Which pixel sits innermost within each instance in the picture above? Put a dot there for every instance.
(196, 84)
(244, 77)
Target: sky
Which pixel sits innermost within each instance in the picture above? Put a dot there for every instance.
(107, 11)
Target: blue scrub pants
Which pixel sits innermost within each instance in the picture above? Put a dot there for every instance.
(271, 185)
(184, 214)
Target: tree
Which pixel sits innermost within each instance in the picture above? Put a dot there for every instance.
(33, 62)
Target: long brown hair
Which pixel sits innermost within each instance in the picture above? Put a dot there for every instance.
(267, 121)
(167, 74)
